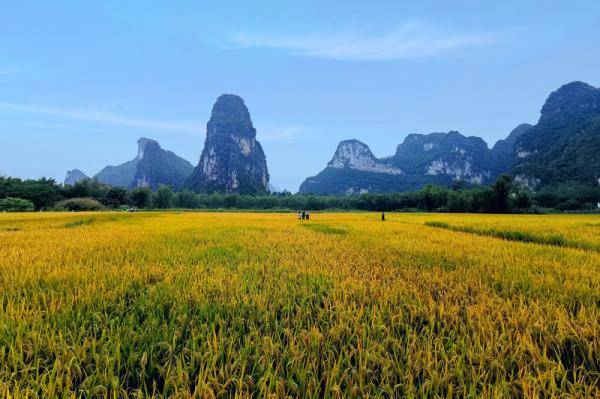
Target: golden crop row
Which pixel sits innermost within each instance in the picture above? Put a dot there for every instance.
(244, 304)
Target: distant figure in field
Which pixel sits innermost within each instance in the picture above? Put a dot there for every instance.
(307, 216)
(299, 215)
(382, 216)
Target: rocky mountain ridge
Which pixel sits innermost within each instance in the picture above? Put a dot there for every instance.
(562, 147)
(355, 154)
(436, 158)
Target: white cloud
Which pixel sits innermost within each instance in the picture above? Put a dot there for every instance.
(266, 132)
(274, 133)
(103, 117)
(410, 40)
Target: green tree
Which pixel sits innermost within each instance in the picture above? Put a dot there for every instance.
(521, 199)
(115, 197)
(87, 188)
(140, 197)
(187, 199)
(500, 191)
(11, 204)
(42, 192)
(163, 198)
(79, 204)
(433, 197)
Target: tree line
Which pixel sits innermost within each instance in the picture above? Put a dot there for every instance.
(501, 197)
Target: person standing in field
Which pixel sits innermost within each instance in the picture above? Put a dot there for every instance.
(307, 216)
(382, 216)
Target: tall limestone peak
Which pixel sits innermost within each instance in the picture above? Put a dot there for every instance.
(74, 176)
(232, 160)
(230, 116)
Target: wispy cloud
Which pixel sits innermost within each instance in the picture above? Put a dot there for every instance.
(409, 40)
(104, 117)
(274, 133)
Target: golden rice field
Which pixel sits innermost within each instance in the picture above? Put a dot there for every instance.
(264, 305)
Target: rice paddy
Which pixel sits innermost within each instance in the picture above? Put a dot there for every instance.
(265, 305)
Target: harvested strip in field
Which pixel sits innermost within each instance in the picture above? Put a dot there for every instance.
(323, 228)
(554, 239)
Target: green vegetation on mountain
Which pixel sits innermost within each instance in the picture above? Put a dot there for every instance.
(561, 150)
(160, 167)
(564, 146)
(436, 158)
(118, 176)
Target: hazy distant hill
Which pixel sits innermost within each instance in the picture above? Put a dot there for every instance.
(74, 176)
(151, 167)
(158, 166)
(122, 175)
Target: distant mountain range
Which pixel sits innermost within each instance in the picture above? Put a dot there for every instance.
(232, 160)
(436, 158)
(563, 147)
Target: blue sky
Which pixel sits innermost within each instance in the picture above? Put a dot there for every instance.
(80, 82)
